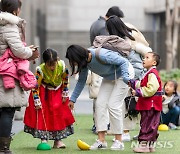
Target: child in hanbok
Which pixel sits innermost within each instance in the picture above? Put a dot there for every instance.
(48, 116)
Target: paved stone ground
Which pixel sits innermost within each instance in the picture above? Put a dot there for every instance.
(82, 106)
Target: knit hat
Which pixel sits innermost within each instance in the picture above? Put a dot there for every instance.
(115, 10)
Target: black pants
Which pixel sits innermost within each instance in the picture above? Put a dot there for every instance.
(6, 120)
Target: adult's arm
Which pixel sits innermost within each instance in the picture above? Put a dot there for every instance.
(79, 85)
(117, 60)
(12, 37)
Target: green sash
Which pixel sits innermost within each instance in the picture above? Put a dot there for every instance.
(53, 78)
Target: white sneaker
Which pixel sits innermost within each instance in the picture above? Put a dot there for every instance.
(117, 145)
(125, 137)
(135, 137)
(98, 145)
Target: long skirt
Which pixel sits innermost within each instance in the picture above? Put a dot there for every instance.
(54, 121)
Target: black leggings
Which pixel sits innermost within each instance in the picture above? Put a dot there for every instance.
(6, 120)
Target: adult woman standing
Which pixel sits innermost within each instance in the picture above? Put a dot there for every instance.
(12, 35)
(139, 47)
(114, 71)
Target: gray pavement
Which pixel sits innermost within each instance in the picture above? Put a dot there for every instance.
(83, 105)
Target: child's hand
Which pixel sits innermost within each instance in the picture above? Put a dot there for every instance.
(37, 104)
(133, 92)
(38, 107)
(132, 83)
(64, 99)
(164, 97)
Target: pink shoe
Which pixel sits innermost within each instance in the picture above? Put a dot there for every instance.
(152, 150)
(59, 144)
(141, 149)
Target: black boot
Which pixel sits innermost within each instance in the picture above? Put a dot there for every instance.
(4, 145)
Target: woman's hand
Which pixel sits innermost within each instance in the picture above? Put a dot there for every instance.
(35, 53)
(71, 105)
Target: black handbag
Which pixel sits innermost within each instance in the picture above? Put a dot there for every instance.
(130, 104)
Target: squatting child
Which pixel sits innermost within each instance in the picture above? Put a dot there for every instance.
(171, 105)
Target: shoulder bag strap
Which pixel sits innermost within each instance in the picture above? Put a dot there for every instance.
(97, 55)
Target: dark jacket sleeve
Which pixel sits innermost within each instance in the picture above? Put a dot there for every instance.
(174, 102)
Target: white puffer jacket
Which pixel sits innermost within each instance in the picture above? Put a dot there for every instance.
(12, 35)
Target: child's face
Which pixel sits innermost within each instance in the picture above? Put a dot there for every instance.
(148, 61)
(169, 88)
(51, 66)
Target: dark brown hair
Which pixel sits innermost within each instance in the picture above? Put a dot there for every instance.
(156, 57)
(10, 5)
(115, 10)
(50, 56)
(77, 56)
(116, 26)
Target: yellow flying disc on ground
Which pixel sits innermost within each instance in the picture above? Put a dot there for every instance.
(82, 145)
(163, 127)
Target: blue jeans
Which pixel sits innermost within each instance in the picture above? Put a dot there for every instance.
(6, 120)
(171, 116)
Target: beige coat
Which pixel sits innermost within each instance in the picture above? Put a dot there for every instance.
(140, 45)
(11, 35)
